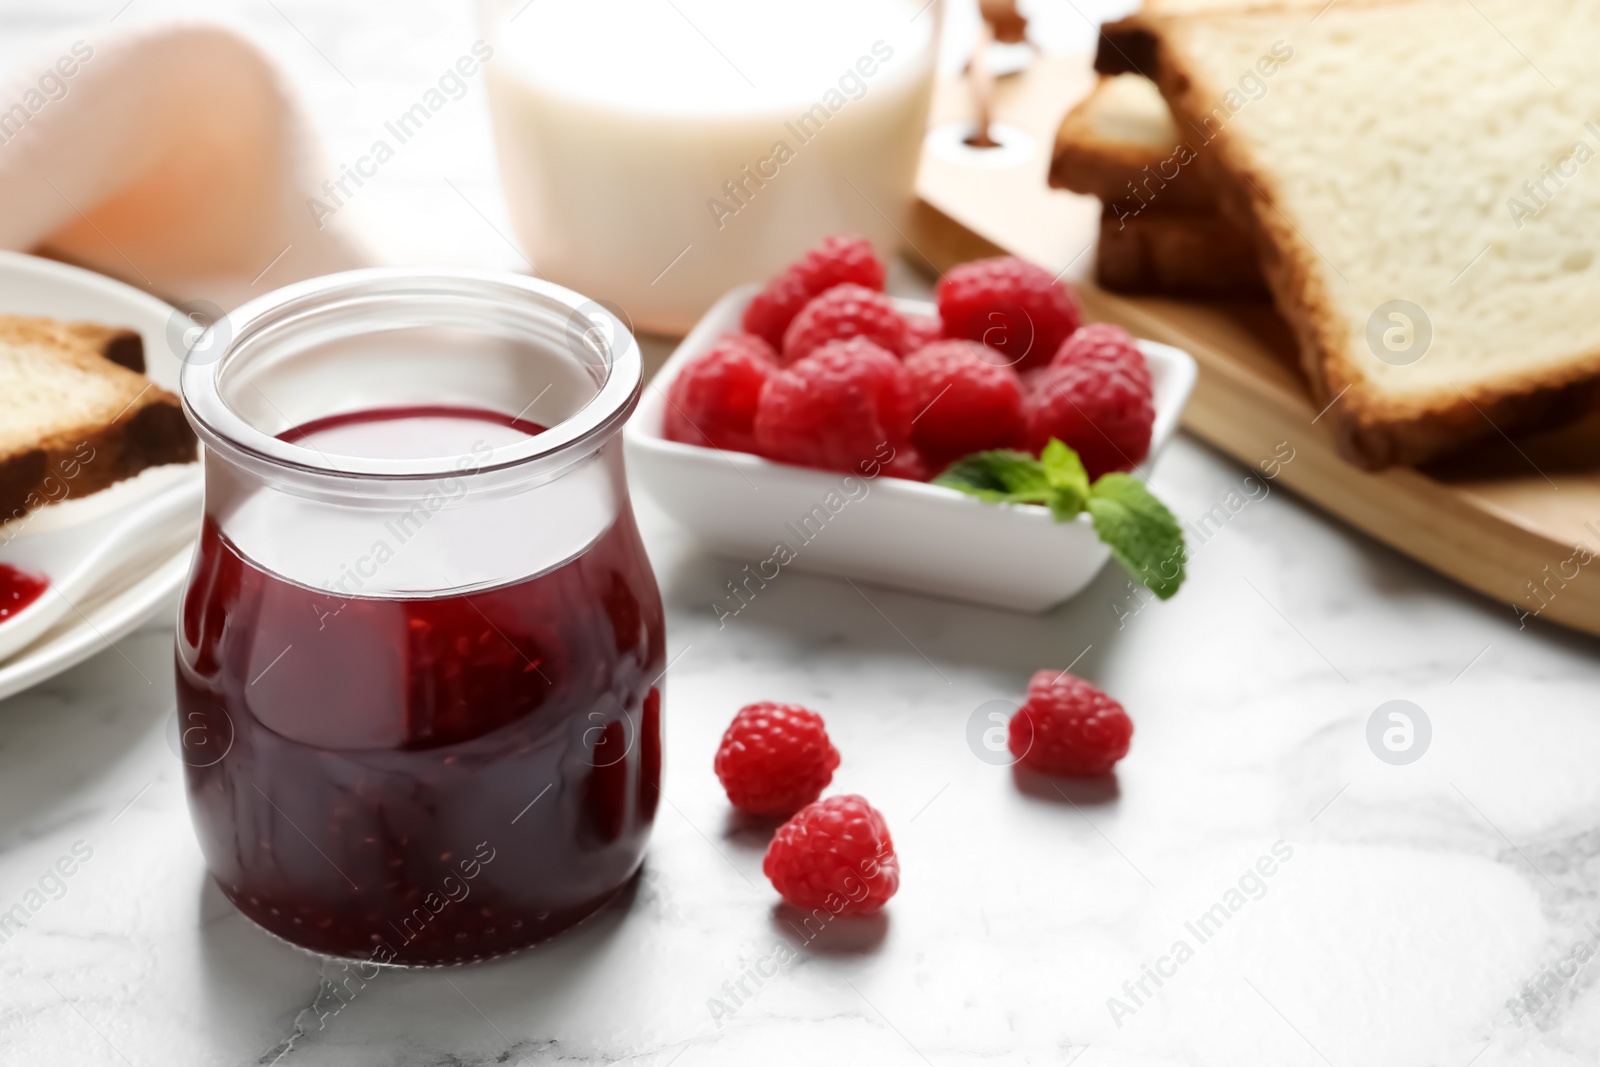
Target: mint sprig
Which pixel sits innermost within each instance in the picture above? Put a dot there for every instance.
(1144, 537)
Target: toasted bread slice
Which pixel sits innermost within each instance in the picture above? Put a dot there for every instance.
(1414, 180)
(1161, 232)
(120, 345)
(1120, 144)
(1128, 45)
(1123, 127)
(1198, 256)
(76, 414)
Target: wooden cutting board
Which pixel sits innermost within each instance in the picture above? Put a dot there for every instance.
(1517, 521)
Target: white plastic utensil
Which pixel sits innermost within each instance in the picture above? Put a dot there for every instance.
(75, 566)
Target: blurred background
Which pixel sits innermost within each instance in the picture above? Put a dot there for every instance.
(354, 66)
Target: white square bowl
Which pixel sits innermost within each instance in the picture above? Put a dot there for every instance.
(888, 531)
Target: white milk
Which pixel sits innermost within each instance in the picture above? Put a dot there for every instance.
(657, 153)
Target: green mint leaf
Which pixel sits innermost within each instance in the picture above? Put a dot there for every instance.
(1143, 535)
(1001, 475)
(1057, 479)
(1067, 477)
(1064, 504)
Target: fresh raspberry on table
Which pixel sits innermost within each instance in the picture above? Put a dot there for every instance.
(1068, 727)
(775, 758)
(846, 405)
(836, 261)
(843, 312)
(1103, 414)
(712, 401)
(965, 399)
(921, 331)
(835, 854)
(1105, 345)
(1010, 305)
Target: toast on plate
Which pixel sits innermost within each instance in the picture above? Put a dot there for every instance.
(77, 413)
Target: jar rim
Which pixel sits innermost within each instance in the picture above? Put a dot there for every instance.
(221, 427)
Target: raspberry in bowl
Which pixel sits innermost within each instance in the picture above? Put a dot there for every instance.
(713, 403)
(1014, 306)
(967, 400)
(837, 260)
(836, 480)
(841, 313)
(835, 408)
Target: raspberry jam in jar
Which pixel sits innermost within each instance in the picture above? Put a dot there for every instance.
(420, 650)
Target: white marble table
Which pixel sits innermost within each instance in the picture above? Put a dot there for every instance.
(1413, 904)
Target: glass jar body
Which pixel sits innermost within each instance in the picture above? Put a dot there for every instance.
(421, 717)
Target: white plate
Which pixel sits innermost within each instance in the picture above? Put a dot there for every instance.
(886, 530)
(33, 286)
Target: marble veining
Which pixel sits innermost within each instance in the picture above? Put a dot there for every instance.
(1414, 914)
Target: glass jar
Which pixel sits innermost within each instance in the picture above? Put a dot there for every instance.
(656, 155)
(420, 650)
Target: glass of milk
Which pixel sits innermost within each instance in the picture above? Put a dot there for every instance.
(657, 153)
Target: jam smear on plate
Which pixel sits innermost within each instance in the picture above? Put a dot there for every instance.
(18, 589)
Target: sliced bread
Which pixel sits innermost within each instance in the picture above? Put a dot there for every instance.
(1160, 232)
(77, 414)
(1119, 143)
(1128, 45)
(1198, 256)
(1414, 173)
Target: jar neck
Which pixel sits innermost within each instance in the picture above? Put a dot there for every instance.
(408, 518)
(374, 339)
(418, 538)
